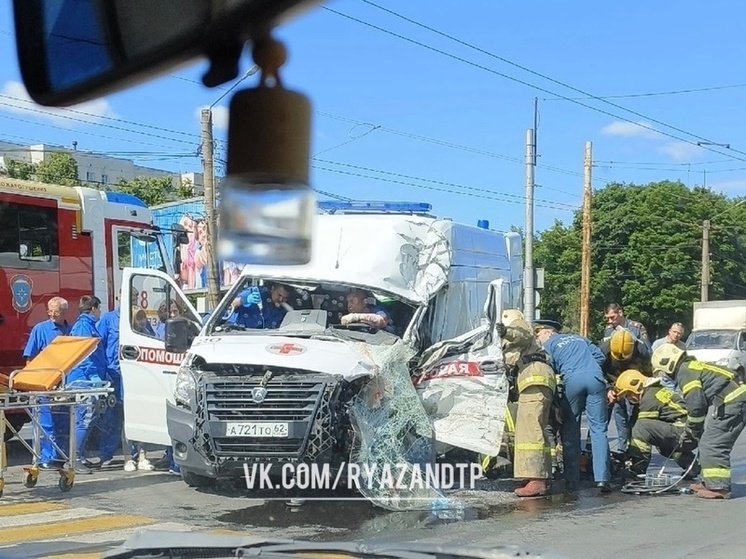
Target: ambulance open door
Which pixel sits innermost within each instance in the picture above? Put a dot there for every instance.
(148, 370)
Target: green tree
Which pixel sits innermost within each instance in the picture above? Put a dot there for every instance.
(155, 190)
(645, 254)
(19, 169)
(58, 168)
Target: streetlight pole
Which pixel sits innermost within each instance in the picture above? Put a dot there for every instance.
(210, 196)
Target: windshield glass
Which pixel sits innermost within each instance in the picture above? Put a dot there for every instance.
(712, 339)
(264, 304)
(141, 249)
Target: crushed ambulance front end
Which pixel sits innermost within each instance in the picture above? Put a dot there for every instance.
(263, 399)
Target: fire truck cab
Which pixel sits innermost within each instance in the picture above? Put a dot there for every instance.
(67, 242)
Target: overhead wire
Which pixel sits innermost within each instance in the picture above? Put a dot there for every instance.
(113, 127)
(422, 138)
(528, 84)
(47, 125)
(654, 93)
(457, 189)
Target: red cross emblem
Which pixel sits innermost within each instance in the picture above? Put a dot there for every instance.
(286, 349)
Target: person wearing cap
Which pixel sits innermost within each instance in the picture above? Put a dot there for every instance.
(578, 362)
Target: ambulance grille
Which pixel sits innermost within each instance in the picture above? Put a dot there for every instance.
(299, 399)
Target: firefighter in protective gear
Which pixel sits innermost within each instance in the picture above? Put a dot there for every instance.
(622, 353)
(535, 384)
(705, 385)
(660, 421)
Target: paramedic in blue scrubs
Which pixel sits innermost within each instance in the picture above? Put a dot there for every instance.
(41, 336)
(91, 370)
(359, 310)
(261, 307)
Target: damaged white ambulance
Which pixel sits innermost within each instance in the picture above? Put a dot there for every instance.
(312, 389)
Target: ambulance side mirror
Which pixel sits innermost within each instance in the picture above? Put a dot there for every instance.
(180, 234)
(177, 335)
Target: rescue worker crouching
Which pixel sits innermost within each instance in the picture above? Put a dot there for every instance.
(535, 383)
(623, 352)
(660, 421)
(705, 385)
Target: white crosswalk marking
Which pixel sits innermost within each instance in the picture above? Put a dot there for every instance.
(53, 529)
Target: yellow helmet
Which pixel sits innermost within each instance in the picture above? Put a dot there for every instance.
(666, 358)
(630, 381)
(511, 315)
(622, 345)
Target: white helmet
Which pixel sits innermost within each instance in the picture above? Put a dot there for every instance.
(511, 315)
(666, 358)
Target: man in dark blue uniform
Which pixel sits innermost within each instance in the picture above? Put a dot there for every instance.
(359, 310)
(41, 336)
(91, 370)
(261, 307)
(578, 362)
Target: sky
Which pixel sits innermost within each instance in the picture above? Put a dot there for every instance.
(435, 109)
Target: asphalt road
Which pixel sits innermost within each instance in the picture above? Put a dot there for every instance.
(109, 506)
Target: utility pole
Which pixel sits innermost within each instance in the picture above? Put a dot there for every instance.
(585, 265)
(529, 305)
(536, 128)
(213, 284)
(705, 286)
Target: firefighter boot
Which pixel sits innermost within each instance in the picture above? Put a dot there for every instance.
(534, 488)
(713, 493)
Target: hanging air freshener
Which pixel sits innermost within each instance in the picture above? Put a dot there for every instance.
(267, 207)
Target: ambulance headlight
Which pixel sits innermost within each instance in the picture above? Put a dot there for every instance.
(185, 387)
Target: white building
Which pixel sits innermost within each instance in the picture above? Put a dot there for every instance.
(94, 168)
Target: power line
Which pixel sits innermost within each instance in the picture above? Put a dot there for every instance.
(46, 125)
(113, 127)
(93, 115)
(462, 189)
(666, 164)
(653, 93)
(523, 82)
(419, 137)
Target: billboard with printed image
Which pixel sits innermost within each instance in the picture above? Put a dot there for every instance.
(189, 259)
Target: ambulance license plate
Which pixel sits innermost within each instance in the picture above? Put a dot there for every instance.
(259, 430)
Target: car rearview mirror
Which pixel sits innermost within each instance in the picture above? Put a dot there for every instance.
(71, 51)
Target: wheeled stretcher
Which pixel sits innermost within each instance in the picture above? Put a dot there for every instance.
(42, 383)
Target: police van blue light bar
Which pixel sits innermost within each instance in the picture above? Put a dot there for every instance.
(373, 207)
(123, 198)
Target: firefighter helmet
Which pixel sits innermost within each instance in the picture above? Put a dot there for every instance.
(622, 345)
(666, 358)
(518, 340)
(629, 382)
(511, 315)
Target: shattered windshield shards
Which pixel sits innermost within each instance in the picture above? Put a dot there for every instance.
(392, 428)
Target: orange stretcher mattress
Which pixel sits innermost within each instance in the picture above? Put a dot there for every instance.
(46, 371)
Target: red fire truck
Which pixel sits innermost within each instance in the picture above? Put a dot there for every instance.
(67, 242)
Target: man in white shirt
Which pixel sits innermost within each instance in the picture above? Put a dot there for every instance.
(675, 333)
